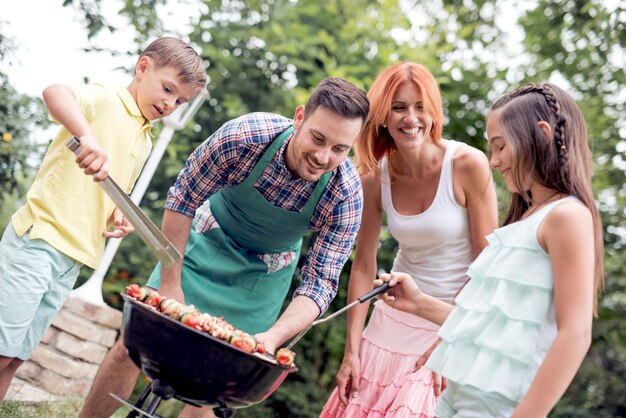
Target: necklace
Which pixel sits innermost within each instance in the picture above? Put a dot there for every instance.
(534, 208)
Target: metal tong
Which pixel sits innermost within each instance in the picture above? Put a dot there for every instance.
(364, 298)
(158, 244)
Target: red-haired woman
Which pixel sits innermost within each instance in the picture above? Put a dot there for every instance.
(440, 203)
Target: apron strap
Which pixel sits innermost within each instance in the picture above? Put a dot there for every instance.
(267, 156)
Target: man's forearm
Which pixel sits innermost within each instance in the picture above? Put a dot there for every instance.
(298, 315)
(176, 228)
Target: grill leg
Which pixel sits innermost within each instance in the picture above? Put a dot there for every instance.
(223, 411)
(156, 400)
(140, 401)
(160, 391)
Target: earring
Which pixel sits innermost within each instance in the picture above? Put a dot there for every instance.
(384, 125)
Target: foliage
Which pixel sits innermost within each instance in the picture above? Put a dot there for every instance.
(20, 116)
(267, 55)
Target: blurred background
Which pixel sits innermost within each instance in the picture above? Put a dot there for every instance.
(267, 55)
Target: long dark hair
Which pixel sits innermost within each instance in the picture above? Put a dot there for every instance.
(563, 162)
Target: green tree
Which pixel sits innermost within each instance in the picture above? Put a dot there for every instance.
(20, 116)
(266, 55)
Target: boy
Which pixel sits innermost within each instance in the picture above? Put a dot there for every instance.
(59, 227)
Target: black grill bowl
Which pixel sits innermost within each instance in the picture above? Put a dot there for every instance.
(200, 368)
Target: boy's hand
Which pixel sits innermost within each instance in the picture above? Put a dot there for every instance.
(120, 227)
(92, 159)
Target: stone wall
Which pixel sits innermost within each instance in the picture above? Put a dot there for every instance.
(66, 360)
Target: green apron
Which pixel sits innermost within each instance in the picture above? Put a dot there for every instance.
(223, 274)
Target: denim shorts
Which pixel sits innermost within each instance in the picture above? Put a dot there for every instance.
(460, 401)
(35, 280)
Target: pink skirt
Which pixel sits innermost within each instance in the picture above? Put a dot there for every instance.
(389, 384)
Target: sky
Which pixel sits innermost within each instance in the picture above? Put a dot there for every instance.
(48, 48)
(49, 44)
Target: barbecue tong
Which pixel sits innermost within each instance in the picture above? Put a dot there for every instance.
(158, 244)
(364, 298)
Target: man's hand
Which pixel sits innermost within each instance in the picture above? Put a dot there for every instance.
(348, 378)
(92, 158)
(120, 227)
(298, 315)
(270, 343)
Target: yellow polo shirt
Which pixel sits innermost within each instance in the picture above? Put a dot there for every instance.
(64, 206)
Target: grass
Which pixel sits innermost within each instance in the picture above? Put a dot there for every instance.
(49, 409)
(69, 409)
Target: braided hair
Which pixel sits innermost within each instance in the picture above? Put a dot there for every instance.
(548, 92)
(560, 160)
(536, 156)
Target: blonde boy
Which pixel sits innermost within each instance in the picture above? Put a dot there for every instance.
(60, 227)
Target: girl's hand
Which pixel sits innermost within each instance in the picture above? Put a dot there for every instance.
(404, 294)
(422, 360)
(439, 382)
(121, 227)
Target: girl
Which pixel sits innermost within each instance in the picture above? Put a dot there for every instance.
(439, 202)
(522, 325)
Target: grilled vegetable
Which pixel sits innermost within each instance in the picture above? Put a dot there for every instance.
(136, 292)
(193, 319)
(153, 299)
(285, 357)
(217, 327)
(244, 341)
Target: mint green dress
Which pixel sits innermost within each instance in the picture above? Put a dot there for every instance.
(503, 324)
(223, 272)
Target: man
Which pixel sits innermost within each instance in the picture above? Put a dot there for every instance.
(240, 208)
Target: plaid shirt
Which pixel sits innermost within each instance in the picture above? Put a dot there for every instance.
(229, 155)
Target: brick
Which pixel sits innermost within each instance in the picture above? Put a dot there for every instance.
(60, 385)
(84, 350)
(105, 315)
(108, 337)
(29, 371)
(72, 323)
(63, 365)
(22, 391)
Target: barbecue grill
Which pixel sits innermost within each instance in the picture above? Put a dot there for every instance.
(197, 368)
(193, 366)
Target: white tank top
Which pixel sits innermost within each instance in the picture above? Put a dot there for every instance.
(435, 245)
